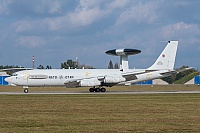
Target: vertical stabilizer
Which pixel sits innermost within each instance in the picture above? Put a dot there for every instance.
(166, 59)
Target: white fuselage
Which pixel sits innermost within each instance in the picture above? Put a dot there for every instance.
(58, 77)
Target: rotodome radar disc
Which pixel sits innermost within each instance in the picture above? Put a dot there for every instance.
(118, 52)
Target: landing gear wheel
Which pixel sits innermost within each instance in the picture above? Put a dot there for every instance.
(98, 90)
(26, 90)
(103, 90)
(91, 89)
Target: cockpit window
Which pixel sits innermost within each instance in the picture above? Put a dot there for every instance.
(14, 74)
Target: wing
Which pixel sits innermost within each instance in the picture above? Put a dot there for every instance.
(107, 80)
(110, 80)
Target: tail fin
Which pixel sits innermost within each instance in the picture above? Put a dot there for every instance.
(166, 59)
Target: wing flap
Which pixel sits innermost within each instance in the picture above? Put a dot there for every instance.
(72, 83)
(132, 75)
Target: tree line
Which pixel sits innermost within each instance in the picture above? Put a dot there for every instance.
(111, 66)
(70, 64)
(42, 67)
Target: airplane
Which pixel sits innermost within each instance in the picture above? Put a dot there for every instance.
(97, 79)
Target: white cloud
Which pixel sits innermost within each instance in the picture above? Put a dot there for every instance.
(48, 6)
(38, 25)
(22, 26)
(139, 13)
(88, 4)
(4, 6)
(54, 7)
(180, 28)
(56, 23)
(30, 41)
(85, 17)
(86, 13)
(188, 33)
(118, 4)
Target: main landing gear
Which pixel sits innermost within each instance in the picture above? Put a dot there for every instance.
(99, 89)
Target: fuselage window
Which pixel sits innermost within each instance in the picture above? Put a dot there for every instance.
(14, 74)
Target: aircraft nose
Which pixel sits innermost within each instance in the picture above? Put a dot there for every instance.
(7, 79)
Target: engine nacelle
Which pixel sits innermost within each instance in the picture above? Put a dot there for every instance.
(114, 79)
(90, 82)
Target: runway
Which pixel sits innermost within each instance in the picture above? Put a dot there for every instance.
(100, 93)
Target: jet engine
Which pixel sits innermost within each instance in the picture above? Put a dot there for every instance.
(114, 79)
(90, 82)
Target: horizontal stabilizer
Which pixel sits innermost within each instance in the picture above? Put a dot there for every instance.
(184, 69)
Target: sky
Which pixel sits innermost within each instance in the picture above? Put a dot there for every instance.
(57, 30)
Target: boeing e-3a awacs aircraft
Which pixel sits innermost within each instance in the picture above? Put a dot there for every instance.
(98, 78)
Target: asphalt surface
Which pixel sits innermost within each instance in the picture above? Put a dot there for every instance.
(108, 92)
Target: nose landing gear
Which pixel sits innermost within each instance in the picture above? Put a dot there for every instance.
(25, 89)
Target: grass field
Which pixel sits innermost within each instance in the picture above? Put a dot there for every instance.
(101, 113)
(115, 88)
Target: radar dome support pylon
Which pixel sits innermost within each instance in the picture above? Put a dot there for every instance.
(123, 53)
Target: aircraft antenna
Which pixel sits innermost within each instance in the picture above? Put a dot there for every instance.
(77, 62)
(33, 61)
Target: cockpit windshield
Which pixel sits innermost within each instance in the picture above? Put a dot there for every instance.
(14, 74)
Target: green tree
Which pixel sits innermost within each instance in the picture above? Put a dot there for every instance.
(83, 66)
(110, 65)
(40, 67)
(64, 65)
(69, 64)
(116, 66)
(74, 65)
(48, 67)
